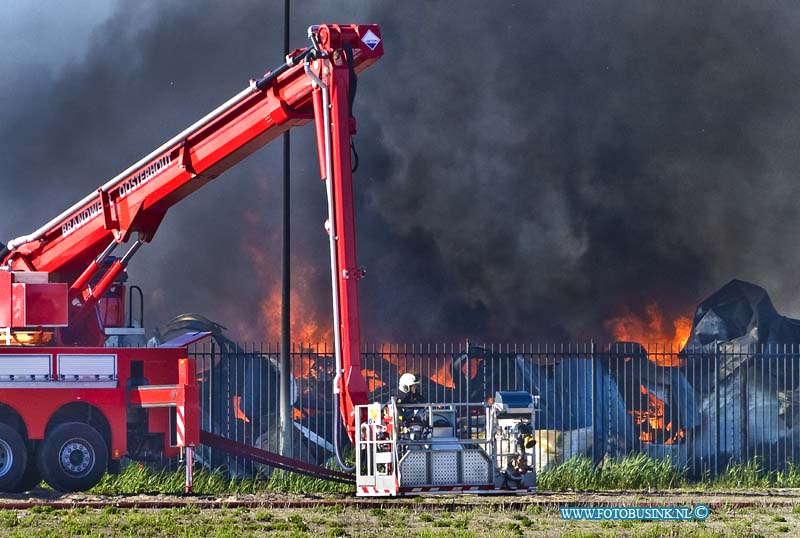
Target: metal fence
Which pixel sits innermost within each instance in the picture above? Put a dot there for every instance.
(703, 407)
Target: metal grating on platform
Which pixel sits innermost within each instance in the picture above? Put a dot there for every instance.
(444, 467)
(477, 468)
(414, 469)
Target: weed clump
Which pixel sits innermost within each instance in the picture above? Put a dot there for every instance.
(633, 472)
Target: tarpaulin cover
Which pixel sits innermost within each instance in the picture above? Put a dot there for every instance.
(740, 313)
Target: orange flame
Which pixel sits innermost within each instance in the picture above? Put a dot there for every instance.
(654, 331)
(444, 375)
(373, 379)
(303, 322)
(307, 324)
(651, 421)
(237, 409)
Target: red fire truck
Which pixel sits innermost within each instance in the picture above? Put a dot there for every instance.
(70, 407)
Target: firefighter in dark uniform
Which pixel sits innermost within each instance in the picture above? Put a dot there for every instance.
(412, 420)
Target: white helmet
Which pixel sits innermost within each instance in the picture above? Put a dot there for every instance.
(406, 380)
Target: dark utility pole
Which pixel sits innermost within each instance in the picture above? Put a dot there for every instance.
(285, 367)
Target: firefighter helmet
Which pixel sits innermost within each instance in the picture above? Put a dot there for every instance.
(406, 380)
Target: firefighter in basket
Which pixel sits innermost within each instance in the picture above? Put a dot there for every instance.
(413, 420)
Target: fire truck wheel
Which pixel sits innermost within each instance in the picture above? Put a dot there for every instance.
(31, 477)
(73, 457)
(13, 457)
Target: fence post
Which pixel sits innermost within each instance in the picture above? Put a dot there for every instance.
(209, 401)
(717, 385)
(215, 387)
(745, 450)
(286, 414)
(596, 437)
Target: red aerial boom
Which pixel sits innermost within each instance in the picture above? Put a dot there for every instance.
(60, 287)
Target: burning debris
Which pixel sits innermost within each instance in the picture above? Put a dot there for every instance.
(651, 422)
(731, 392)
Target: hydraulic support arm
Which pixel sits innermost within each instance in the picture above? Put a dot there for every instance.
(334, 78)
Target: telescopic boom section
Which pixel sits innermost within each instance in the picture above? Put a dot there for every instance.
(74, 244)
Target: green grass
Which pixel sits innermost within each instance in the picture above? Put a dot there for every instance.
(641, 472)
(495, 521)
(635, 472)
(742, 475)
(137, 479)
(752, 475)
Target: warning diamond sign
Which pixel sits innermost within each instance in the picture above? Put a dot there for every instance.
(371, 40)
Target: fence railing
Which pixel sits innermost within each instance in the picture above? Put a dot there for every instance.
(702, 408)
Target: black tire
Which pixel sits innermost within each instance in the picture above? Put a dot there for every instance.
(31, 477)
(13, 457)
(73, 457)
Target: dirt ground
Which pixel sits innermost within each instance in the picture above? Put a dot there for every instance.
(740, 514)
(762, 498)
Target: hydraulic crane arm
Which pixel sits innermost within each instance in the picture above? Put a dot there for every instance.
(137, 199)
(317, 83)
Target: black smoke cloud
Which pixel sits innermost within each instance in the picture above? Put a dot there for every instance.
(528, 169)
